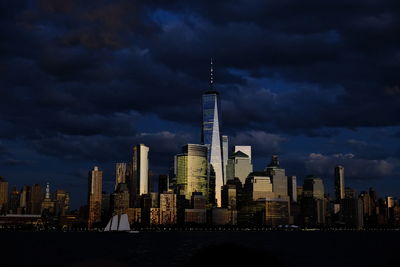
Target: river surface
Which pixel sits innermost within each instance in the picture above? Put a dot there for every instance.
(273, 248)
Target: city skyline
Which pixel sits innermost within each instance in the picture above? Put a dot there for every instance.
(83, 83)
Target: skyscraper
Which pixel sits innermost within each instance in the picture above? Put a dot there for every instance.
(36, 199)
(245, 149)
(225, 154)
(168, 208)
(211, 136)
(94, 196)
(339, 183)
(14, 201)
(61, 198)
(239, 166)
(3, 195)
(292, 187)
(279, 180)
(120, 174)
(313, 187)
(191, 172)
(138, 182)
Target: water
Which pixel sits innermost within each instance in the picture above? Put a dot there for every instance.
(201, 248)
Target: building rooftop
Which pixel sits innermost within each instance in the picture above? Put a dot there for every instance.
(240, 154)
(211, 92)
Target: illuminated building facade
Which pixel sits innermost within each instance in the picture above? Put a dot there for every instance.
(239, 166)
(94, 196)
(120, 174)
(168, 208)
(192, 171)
(339, 183)
(211, 137)
(3, 195)
(138, 182)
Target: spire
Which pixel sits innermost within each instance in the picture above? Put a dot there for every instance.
(211, 74)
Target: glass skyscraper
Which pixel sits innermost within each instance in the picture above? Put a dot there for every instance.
(191, 171)
(211, 137)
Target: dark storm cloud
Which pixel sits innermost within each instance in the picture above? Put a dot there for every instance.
(356, 168)
(105, 149)
(77, 76)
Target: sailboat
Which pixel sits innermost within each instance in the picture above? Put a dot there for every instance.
(119, 223)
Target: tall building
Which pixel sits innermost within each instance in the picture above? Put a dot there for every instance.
(225, 154)
(48, 206)
(313, 204)
(276, 211)
(192, 170)
(168, 208)
(245, 149)
(138, 182)
(62, 202)
(239, 166)
(36, 199)
(120, 199)
(3, 195)
(211, 136)
(94, 196)
(339, 183)
(229, 196)
(120, 174)
(258, 185)
(14, 201)
(279, 180)
(163, 183)
(292, 188)
(313, 187)
(24, 200)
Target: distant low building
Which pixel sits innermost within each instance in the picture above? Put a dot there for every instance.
(168, 208)
(276, 211)
(196, 216)
(223, 216)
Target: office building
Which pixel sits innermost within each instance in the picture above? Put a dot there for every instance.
(35, 204)
(62, 202)
(120, 199)
(48, 207)
(223, 216)
(120, 174)
(163, 183)
(278, 177)
(239, 166)
(14, 201)
(3, 195)
(138, 182)
(313, 187)
(339, 183)
(276, 211)
(352, 212)
(229, 196)
(195, 216)
(154, 216)
(225, 154)
(244, 149)
(258, 185)
(168, 208)
(192, 171)
(198, 201)
(292, 188)
(94, 196)
(211, 136)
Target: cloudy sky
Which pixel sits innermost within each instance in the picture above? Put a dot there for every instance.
(316, 82)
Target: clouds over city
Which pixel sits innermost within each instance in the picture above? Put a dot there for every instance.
(82, 78)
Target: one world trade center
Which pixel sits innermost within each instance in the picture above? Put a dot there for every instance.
(211, 136)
